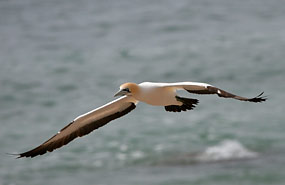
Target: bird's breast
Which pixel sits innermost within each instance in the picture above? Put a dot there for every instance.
(159, 96)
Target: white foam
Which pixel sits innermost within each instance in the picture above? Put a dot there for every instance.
(98, 163)
(137, 154)
(121, 156)
(123, 148)
(159, 147)
(226, 150)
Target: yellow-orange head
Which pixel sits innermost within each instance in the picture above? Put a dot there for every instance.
(128, 89)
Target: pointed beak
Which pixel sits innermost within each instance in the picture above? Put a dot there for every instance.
(120, 93)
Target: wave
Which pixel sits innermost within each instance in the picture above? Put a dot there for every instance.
(224, 151)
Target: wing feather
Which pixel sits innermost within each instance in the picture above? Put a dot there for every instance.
(203, 88)
(84, 124)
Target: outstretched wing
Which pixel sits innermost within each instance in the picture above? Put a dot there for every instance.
(203, 88)
(84, 124)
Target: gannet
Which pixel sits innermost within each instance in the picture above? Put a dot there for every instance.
(157, 94)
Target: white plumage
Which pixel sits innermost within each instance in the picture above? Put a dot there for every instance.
(158, 94)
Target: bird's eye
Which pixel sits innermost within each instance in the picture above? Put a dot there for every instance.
(127, 90)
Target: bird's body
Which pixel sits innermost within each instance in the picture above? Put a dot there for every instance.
(157, 94)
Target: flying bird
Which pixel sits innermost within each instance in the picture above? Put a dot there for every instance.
(157, 94)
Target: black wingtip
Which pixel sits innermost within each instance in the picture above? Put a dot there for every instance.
(258, 98)
(21, 156)
(14, 155)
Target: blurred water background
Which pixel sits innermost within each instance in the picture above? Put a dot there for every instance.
(59, 59)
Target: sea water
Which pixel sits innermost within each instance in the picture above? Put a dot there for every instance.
(59, 59)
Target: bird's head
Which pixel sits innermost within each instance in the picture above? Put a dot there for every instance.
(128, 89)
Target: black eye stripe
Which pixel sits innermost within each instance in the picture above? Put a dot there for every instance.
(126, 89)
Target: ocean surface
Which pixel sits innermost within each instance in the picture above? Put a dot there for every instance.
(59, 59)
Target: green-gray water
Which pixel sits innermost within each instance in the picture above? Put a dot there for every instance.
(59, 59)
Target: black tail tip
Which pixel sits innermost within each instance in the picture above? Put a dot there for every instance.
(258, 98)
